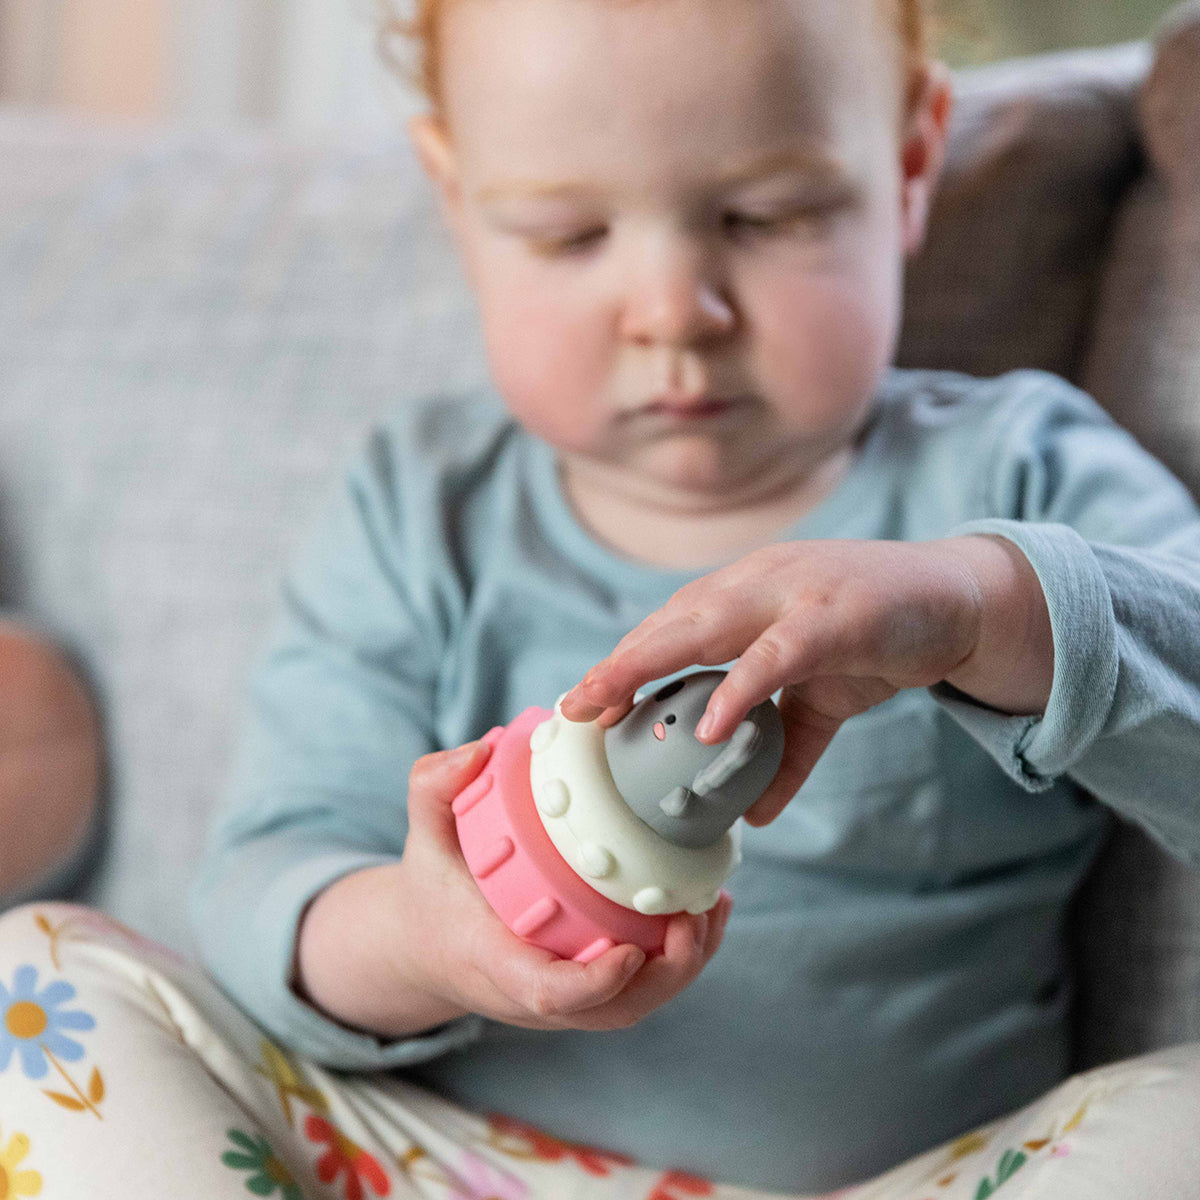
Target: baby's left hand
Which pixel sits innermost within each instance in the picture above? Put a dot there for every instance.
(838, 625)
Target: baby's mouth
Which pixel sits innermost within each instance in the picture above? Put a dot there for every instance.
(702, 409)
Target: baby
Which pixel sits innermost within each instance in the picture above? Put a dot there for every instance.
(686, 223)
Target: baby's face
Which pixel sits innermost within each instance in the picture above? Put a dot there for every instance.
(685, 223)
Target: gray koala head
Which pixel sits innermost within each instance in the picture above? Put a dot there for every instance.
(688, 792)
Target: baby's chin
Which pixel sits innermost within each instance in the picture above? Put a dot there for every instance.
(696, 466)
(695, 473)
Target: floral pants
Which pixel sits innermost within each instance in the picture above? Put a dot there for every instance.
(124, 1072)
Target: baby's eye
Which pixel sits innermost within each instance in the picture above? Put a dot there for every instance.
(749, 221)
(572, 244)
(807, 219)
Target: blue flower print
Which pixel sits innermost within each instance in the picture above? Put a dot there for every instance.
(32, 1023)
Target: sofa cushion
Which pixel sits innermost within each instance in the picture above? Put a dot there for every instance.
(1138, 924)
(1143, 362)
(1036, 161)
(195, 328)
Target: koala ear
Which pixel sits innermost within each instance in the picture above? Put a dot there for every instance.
(677, 801)
(735, 754)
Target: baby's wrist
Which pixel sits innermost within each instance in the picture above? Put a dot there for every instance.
(352, 959)
(1011, 667)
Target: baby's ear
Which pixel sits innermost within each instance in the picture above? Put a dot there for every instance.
(923, 150)
(435, 152)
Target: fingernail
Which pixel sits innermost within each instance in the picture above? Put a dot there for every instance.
(707, 724)
(633, 960)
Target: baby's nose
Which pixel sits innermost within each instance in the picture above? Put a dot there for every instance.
(678, 300)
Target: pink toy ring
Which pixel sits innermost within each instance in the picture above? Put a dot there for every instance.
(523, 877)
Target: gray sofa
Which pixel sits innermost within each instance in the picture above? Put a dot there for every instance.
(196, 328)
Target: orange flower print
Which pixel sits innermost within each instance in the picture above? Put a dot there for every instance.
(14, 1183)
(344, 1155)
(542, 1146)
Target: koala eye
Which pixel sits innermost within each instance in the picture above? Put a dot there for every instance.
(669, 719)
(665, 693)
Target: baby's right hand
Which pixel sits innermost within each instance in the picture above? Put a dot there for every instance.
(458, 950)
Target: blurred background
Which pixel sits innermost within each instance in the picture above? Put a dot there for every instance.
(312, 64)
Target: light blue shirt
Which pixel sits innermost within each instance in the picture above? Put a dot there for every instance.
(893, 970)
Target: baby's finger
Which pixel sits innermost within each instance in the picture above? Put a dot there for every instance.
(782, 655)
(579, 705)
(436, 779)
(550, 989)
(685, 951)
(806, 733)
(657, 981)
(699, 640)
(718, 918)
(686, 940)
(575, 708)
(601, 689)
(610, 716)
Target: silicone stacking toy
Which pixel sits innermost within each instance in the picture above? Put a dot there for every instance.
(583, 838)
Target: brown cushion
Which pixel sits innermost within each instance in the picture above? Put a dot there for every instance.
(1143, 364)
(1138, 926)
(1040, 151)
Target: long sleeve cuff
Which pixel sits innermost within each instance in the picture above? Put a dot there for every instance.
(1035, 750)
(247, 920)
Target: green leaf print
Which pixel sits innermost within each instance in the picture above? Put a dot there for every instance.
(254, 1154)
(1010, 1162)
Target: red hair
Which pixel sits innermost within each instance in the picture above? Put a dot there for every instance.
(424, 28)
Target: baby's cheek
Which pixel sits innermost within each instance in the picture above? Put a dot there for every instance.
(830, 337)
(548, 361)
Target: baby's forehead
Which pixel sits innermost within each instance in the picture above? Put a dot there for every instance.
(834, 29)
(592, 61)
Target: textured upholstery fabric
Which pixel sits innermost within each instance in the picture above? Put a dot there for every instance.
(1036, 161)
(1138, 922)
(194, 330)
(196, 327)
(1143, 363)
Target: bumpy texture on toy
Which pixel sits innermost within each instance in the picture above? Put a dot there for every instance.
(569, 861)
